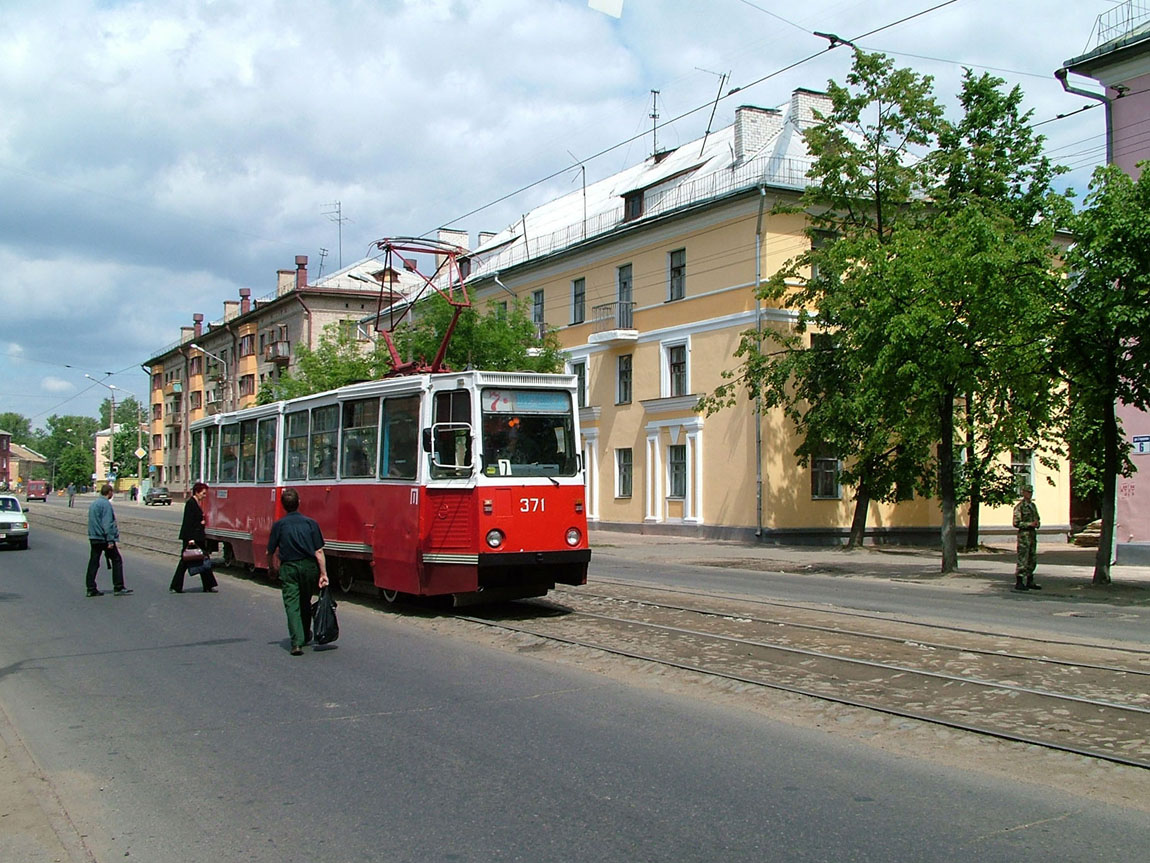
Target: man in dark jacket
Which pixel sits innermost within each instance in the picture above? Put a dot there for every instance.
(192, 535)
(297, 542)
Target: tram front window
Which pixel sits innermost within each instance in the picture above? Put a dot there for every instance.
(528, 433)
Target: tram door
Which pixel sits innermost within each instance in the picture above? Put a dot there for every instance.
(450, 541)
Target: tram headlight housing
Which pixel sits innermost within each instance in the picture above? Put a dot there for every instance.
(573, 536)
(495, 538)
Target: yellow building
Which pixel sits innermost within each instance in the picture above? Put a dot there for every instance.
(649, 278)
(220, 366)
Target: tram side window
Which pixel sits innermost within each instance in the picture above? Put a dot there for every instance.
(360, 438)
(211, 453)
(266, 451)
(247, 451)
(451, 434)
(197, 464)
(295, 446)
(322, 451)
(400, 438)
(229, 452)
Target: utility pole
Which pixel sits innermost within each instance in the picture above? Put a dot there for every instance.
(654, 123)
(336, 215)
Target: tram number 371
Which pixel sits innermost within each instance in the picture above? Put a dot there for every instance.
(532, 504)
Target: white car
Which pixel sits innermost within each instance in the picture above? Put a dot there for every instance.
(13, 521)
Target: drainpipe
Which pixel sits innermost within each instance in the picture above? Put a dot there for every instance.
(759, 337)
(1061, 75)
(505, 286)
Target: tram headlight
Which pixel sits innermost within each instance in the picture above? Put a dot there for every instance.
(495, 538)
(573, 536)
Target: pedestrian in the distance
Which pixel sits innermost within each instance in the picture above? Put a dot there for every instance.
(1027, 522)
(192, 535)
(104, 537)
(297, 543)
(71, 494)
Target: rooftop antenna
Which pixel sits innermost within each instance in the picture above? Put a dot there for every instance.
(583, 170)
(654, 123)
(718, 94)
(322, 255)
(337, 216)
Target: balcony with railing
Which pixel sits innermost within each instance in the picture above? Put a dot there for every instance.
(613, 323)
(278, 352)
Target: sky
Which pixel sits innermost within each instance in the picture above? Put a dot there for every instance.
(158, 156)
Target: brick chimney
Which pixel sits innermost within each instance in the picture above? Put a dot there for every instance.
(197, 324)
(453, 236)
(804, 104)
(300, 272)
(754, 127)
(285, 281)
(485, 237)
(231, 309)
(188, 334)
(245, 300)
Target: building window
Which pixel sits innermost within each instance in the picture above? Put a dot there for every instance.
(196, 365)
(157, 412)
(578, 301)
(579, 369)
(248, 385)
(157, 441)
(677, 274)
(676, 373)
(625, 295)
(501, 310)
(819, 241)
(623, 386)
(825, 477)
(157, 381)
(537, 312)
(247, 345)
(196, 400)
(1022, 466)
(632, 206)
(624, 472)
(677, 470)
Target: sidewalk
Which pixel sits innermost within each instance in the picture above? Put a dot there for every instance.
(1064, 570)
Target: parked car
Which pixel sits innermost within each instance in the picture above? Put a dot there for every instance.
(157, 495)
(13, 521)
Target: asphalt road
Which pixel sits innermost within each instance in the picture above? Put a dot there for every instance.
(177, 728)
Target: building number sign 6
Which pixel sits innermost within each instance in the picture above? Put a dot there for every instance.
(532, 504)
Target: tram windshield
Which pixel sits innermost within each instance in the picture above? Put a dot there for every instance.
(528, 433)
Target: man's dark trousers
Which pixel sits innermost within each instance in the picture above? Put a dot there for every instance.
(100, 547)
(299, 582)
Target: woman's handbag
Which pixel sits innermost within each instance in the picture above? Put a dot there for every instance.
(192, 555)
(204, 567)
(324, 626)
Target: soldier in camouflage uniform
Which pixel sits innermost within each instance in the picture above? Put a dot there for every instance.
(1027, 521)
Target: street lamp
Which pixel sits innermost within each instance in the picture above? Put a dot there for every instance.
(222, 362)
(139, 432)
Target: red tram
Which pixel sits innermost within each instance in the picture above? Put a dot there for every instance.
(466, 484)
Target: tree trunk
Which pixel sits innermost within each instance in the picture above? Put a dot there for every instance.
(1109, 487)
(972, 521)
(858, 523)
(946, 482)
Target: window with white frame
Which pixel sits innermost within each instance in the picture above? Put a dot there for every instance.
(1022, 466)
(677, 274)
(578, 301)
(623, 380)
(676, 378)
(825, 476)
(579, 369)
(624, 472)
(677, 471)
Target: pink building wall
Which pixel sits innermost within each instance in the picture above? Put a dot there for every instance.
(1129, 115)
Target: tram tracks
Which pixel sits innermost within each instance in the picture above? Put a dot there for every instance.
(1089, 700)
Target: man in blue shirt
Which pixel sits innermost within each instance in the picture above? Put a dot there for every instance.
(298, 543)
(103, 535)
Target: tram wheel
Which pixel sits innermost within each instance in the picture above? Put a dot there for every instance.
(389, 596)
(345, 578)
(229, 556)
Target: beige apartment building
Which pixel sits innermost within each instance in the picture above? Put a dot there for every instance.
(220, 366)
(649, 278)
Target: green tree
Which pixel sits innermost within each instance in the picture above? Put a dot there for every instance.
(867, 184)
(1104, 334)
(17, 425)
(496, 341)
